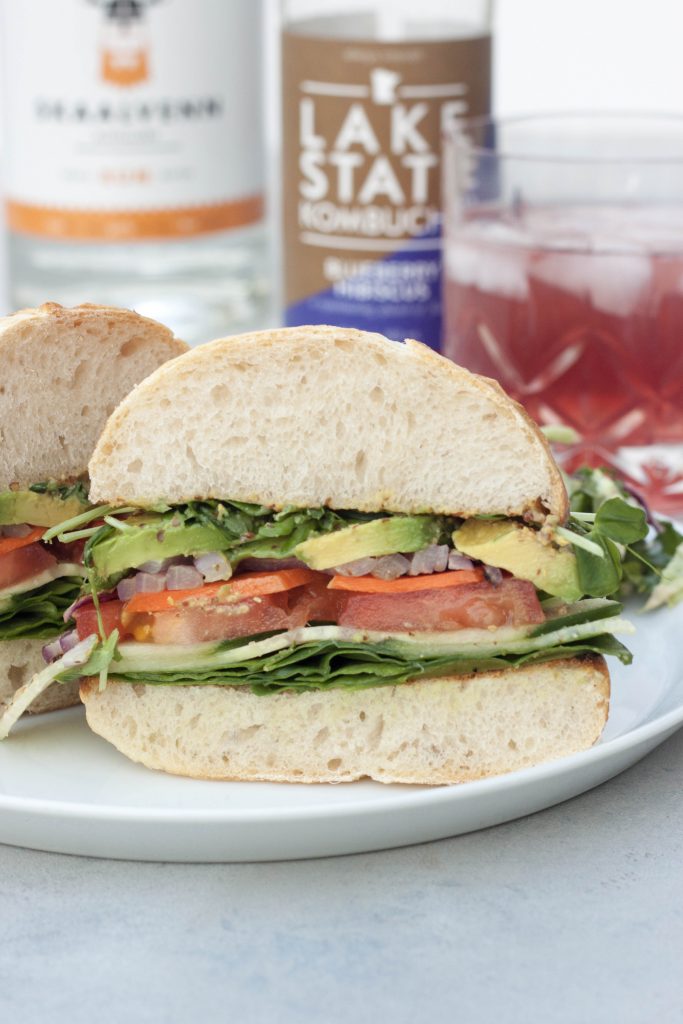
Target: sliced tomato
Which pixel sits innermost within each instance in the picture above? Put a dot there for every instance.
(213, 618)
(8, 544)
(193, 625)
(24, 562)
(86, 618)
(248, 584)
(478, 605)
(216, 619)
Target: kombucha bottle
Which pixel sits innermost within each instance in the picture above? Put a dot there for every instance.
(367, 86)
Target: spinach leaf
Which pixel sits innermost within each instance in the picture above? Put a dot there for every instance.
(38, 614)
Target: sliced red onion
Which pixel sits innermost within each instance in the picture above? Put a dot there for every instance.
(429, 560)
(182, 577)
(68, 640)
(16, 530)
(390, 567)
(81, 602)
(126, 589)
(53, 650)
(149, 583)
(493, 574)
(62, 645)
(213, 566)
(458, 561)
(435, 558)
(153, 566)
(359, 567)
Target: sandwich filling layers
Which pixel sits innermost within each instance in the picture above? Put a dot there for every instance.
(228, 593)
(39, 581)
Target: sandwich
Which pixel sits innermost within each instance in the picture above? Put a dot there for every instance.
(63, 373)
(328, 556)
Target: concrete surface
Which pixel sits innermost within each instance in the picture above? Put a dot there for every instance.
(570, 916)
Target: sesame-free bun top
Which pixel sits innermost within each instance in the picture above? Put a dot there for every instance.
(313, 416)
(62, 373)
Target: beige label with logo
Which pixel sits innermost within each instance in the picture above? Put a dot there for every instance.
(362, 127)
(132, 121)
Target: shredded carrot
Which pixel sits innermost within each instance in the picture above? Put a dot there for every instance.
(248, 584)
(8, 544)
(404, 584)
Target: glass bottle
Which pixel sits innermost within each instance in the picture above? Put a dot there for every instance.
(368, 86)
(134, 158)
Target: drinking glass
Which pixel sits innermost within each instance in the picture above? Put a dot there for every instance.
(563, 279)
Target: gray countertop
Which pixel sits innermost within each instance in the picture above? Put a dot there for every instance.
(571, 915)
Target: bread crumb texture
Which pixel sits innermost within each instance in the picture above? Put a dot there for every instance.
(436, 731)
(325, 416)
(64, 371)
(19, 662)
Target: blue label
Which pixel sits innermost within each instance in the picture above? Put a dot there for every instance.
(398, 295)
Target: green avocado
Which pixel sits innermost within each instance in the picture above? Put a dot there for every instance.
(37, 509)
(510, 546)
(148, 539)
(366, 540)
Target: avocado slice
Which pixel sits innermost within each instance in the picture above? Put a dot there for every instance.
(37, 509)
(366, 540)
(517, 548)
(148, 539)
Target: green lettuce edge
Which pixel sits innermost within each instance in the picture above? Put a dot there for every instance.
(38, 614)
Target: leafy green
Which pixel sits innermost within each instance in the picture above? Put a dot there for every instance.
(243, 530)
(355, 666)
(560, 615)
(599, 576)
(669, 589)
(327, 656)
(78, 489)
(38, 614)
(621, 521)
(620, 518)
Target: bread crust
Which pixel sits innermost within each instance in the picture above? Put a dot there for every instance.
(346, 362)
(20, 660)
(64, 370)
(429, 731)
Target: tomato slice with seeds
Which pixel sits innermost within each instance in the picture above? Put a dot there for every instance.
(23, 562)
(212, 618)
(474, 606)
(86, 618)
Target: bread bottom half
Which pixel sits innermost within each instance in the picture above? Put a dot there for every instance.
(431, 731)
(19, 661)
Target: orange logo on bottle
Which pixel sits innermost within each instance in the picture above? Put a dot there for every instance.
(124, 48)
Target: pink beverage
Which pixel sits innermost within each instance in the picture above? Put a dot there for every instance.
(578, 311)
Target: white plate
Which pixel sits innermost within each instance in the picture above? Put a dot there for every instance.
(64, 789)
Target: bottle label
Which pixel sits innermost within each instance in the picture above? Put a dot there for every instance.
(362, 130)
(132, 120)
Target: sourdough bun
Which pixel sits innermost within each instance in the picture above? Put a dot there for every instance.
(20, 660)
(313, 416)
(63, 373)
(434, 731)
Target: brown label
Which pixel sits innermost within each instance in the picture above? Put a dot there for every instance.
(362, 126)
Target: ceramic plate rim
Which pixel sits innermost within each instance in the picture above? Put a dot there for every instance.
(396, 802)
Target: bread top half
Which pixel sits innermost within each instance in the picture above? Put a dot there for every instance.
(312, 416)
(62, 373)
